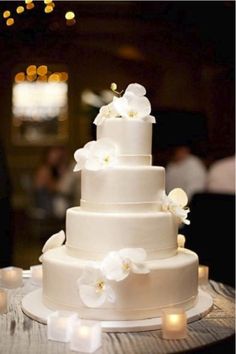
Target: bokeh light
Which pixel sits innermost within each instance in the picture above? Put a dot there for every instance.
(10, 21)
(55, 77)
(48, 9)
(42, 70)
(69, 15)
(19, 77)
(31, 70)
(20, 9)
(6, 14)
(30, 6)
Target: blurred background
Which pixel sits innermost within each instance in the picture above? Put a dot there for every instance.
(56, 70)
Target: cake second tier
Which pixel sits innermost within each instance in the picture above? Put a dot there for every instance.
(123, 189)
(91, 235)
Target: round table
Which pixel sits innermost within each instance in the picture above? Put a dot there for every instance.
(19, 334)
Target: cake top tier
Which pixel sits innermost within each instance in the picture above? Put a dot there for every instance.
(124, 132)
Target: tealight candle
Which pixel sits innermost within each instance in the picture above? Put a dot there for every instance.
(174, 323)
(11, 277)
(36, 274)
(3, 301)
(60, 324)
(181, 240)
(203, 275)
(86, 336)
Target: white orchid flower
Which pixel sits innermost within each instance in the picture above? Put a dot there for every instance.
(105, 112)
(132, 107)
(81, 156)
(93, 288)
(54, 241)
(96, 155)
(118, 265)
(176, 202)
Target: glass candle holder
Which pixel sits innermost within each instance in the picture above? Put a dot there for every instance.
(86, 336)
(3, 301)
(36, 274)
(11, 277)
(203, 275)
(174, 323)
(60, 325)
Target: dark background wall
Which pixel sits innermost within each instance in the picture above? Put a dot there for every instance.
(183, 52)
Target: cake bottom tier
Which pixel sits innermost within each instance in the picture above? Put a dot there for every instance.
(171, 282)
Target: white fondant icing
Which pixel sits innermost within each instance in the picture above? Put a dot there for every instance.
(133, 137)
(171, 282)
(94, 234)
(123, 185)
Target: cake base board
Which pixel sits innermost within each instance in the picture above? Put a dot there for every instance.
(34, 308)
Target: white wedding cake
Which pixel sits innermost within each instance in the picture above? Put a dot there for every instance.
(120, 260)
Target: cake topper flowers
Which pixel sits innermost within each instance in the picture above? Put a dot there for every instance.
(93, 287)
(96, 155)
(132, 105)
(54, 241)
(118, 265)
(176, 202)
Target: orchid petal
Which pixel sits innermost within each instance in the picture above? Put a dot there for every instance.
(111, 296)
(149, 119)
(90, 297)
(140, 268)
(135, 89)
(179, 196)
(112, 268)
(54, 241)
(134, 254)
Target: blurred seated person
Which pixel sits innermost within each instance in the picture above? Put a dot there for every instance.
(221, 176)
(185, 171)
(54, 183)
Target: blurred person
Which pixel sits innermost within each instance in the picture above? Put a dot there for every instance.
(185, 171)
(221, 176)
(53, 183)
(5, 212)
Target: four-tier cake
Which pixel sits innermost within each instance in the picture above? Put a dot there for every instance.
(120, 260)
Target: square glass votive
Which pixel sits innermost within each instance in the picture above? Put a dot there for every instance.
(86, 336)
(3, 301)
(11, 277)
(203, 275)
(174, 323)
(60, 325)
(36, 274)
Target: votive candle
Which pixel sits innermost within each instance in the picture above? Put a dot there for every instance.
(60, 325)
(203, 274)
(36, 274)
(3, 301)
(86, 336)
(174, 323)
(11, 277)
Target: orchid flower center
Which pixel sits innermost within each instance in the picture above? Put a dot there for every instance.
(106, 159)
(100, 286)
(126, 266)
(132, 114)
